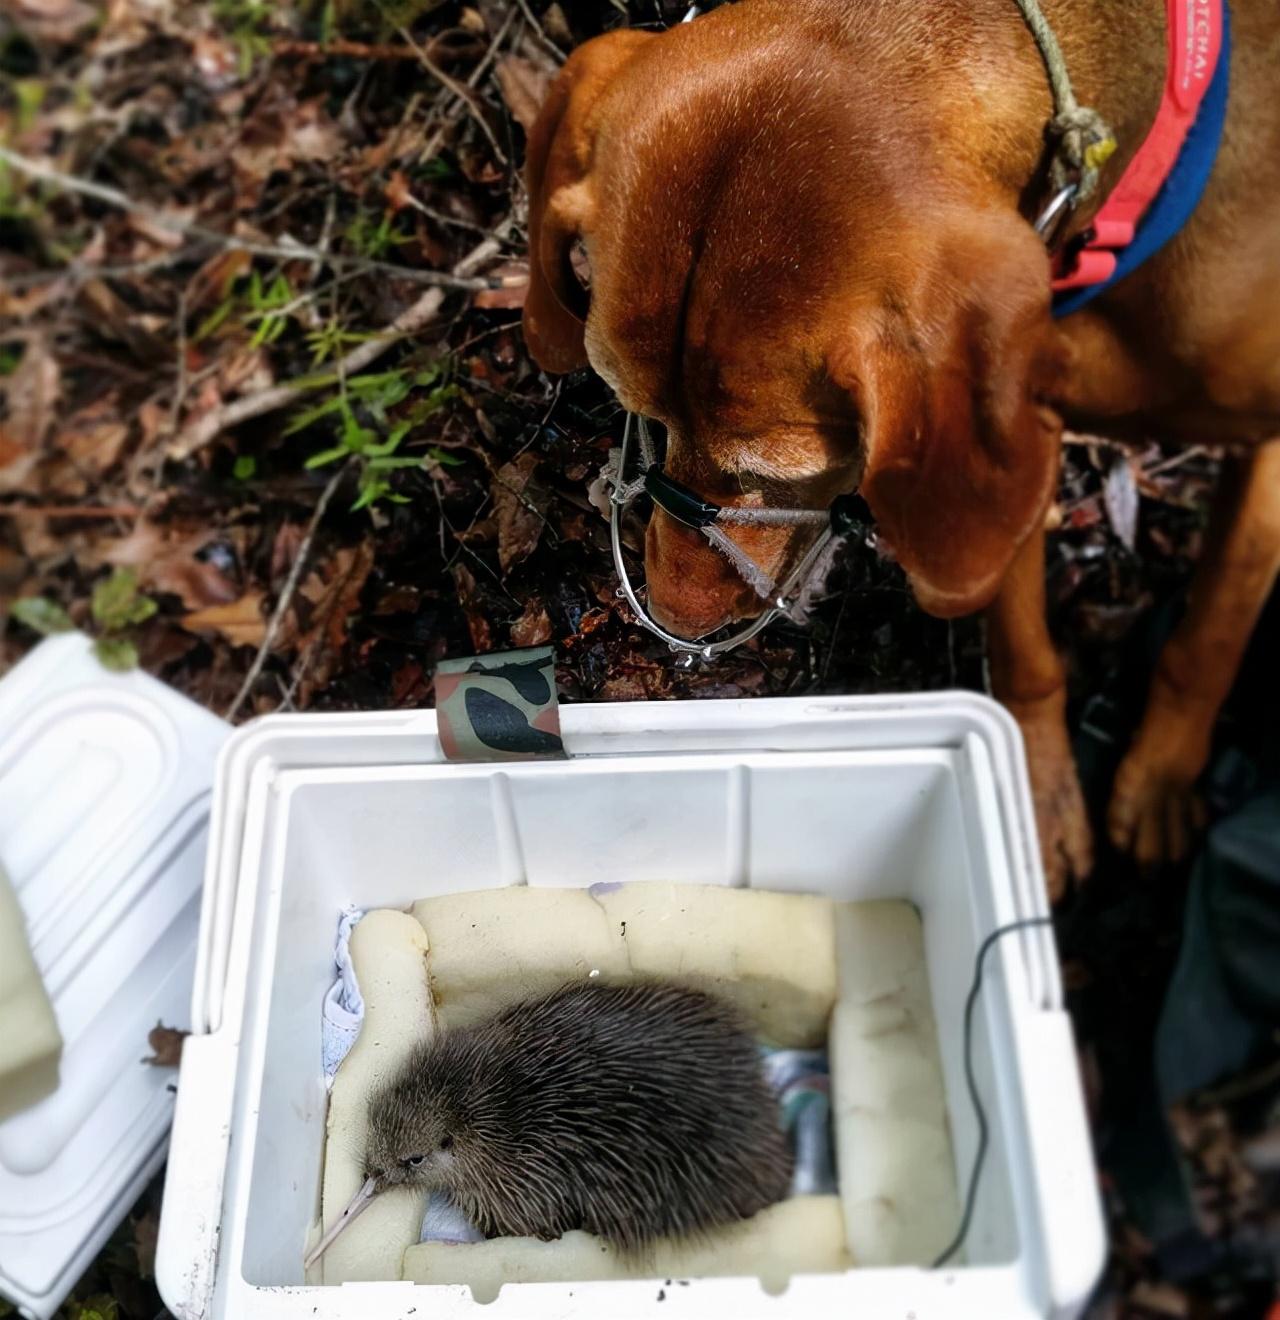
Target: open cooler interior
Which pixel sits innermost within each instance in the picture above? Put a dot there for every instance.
(850, 825)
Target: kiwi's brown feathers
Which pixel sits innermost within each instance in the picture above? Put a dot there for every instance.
(633, 1111)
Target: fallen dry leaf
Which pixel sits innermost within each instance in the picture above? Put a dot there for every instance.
(241, 622)
(217, 61)
(94, 437)
(213, 281)
(278, 134)
(57, 21)
(524, 88)
(520, 506)
(533, 627)
(31, 395)
(477, 624)
(112, 317)
(336, 594)
(170, 560)
(166, 1046)
(557, 25)
(398, 192)
(146, 1234)
(284, 549)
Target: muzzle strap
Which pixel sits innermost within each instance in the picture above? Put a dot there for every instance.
(846, 516)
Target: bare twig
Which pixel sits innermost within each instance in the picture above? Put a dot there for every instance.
(359, 50)
(286, 593)
(338, 47)
(462, 91)
(78, 273)
(1178, 459)
(540, 35)
(290, 252)
(441, 218)
(70, 510)
(180, 386)
(204, 429)
(472, 80)
(200, 432)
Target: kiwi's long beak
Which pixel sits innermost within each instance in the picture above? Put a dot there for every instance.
(357, 1205)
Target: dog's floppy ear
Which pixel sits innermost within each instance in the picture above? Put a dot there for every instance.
(961, 452)
(558, 162)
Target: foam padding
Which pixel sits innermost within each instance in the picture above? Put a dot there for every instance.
(773, 955)
(389, 953)
(804, 1235)
(893, 1142)
(492, 947)
(30, 1042)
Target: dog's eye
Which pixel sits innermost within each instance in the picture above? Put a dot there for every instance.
(414, 1160)
(580, 264)
(446, 1143)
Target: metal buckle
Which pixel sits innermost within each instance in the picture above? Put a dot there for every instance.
(1055, 213)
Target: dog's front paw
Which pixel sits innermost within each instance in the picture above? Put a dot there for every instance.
(1155, 811)
(1066, 841)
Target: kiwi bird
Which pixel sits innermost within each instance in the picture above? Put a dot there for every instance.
(631, 1111)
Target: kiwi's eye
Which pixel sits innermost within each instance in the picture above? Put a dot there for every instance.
(414, 1160)
(446, 1143)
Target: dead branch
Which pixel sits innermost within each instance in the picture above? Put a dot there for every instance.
(204, 429)
(467, 95)
(473, 79)
(281, 252)
(540, 35)
(286, 593)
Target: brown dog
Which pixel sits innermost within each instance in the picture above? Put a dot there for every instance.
(807, 226)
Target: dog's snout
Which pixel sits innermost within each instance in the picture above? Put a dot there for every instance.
(693, 590)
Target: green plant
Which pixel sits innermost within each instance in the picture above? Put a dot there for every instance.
(371, 240)
(42, 615)
(17, 203)
(29, 94)
(267, 304)
(329, 339)
(375, 443)
(245, 467)
(248, 24)
(116, 606)
(100, 1307)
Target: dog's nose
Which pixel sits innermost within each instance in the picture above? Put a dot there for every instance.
(693, 590)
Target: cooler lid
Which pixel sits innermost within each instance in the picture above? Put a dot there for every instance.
(104, 810)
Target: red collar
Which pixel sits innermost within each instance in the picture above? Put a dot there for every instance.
(1194, 29)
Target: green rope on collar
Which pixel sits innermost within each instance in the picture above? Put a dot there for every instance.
(1083, 140)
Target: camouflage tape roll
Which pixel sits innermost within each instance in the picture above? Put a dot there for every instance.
(499, 707)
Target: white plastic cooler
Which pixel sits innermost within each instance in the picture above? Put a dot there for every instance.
(104, 807)
(923, 798)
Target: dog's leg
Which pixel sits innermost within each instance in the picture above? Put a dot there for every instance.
(1154, 809)
(1028, 677)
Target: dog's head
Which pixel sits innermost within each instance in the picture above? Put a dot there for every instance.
(812, 286)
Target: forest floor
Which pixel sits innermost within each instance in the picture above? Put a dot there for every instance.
(269, 429)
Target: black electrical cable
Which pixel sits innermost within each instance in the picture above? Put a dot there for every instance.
(971, 1195)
